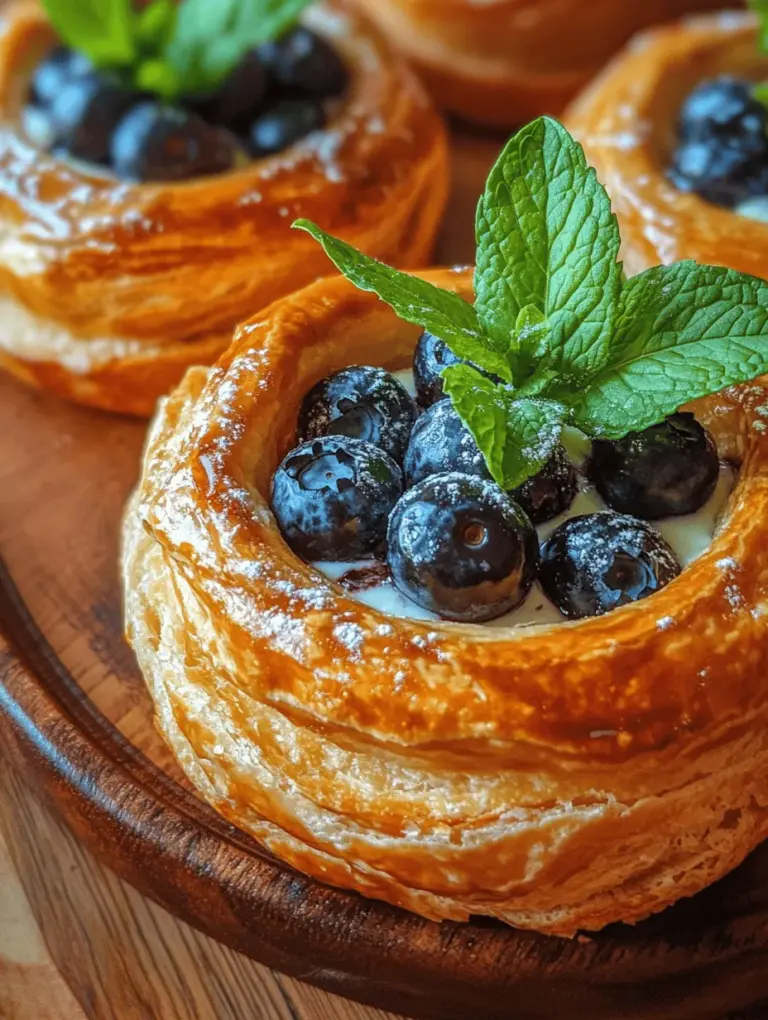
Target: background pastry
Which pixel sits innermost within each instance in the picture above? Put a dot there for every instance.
(112, 285)
(679, 138)
(502, 62)
(559, 776)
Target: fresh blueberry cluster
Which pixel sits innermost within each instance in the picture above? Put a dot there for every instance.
(278, 94)
(722, 153)
(377, 474)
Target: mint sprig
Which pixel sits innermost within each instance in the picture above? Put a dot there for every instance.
(760, 7)
(169, 48)
(570, 339)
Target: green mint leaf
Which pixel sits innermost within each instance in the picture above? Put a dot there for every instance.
(154, 25)
(760, 7)
(547, 240)
(158, 77)
(211, 38)
(530, 337)
(683, 332)
(101, 29)
(760, 92)
(516, 436)
(442, 312)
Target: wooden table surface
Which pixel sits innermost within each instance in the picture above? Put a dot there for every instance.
(132, 960)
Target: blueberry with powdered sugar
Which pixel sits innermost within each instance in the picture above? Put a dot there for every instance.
(332, 498)
(431, 357)
(597, 562)
(440, 442)
(460, 547)
(361, 402)
(551, 491)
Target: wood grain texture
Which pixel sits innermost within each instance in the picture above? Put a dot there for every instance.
(76, 734)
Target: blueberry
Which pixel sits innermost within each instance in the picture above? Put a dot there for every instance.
(84, 115)
(361, 402)
(440, 442)
(597, 562)
(460, 547)
(304, 62)
(284, 124)
(332, 497)
(667, 470)
(239, 99)
(721, 107)
(550, 492)
(164, 143)
(431, 357)
(57, 69)
(723, 155)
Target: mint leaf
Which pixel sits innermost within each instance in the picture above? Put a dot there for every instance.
(158, 77)
(530, 337)
(210, 38)
(101, 29)
(547, 240)
(760, 92)
(154, 25)
(442, 312)
(760, 7)
(683, 332)
(516, 436)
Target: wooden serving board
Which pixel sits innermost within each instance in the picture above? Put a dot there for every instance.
(76, 726)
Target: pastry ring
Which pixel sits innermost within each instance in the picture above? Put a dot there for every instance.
(626, 122)
(503, 62)
(555, 777)
(110, 290)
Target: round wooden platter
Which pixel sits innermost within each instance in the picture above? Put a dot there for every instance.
(77, 721)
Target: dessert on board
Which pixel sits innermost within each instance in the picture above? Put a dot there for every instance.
(677, 128)
(501, 62)
(457, 598)
(151, 164)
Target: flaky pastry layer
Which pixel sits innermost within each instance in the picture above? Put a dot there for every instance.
(503, 62)
(110, 290)
(555, 777)
(627, 122)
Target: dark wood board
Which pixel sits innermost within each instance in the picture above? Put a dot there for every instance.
(76, 725)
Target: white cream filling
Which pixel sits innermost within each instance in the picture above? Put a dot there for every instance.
(754, 208)
(689, 536)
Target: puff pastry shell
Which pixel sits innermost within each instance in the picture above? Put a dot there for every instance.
(503, 62)
(109, 290)
(554, 777)
(627, 122)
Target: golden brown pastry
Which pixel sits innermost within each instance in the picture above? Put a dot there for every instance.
(627, 122)
(502, 62)
(555, 777)
(110, 290)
